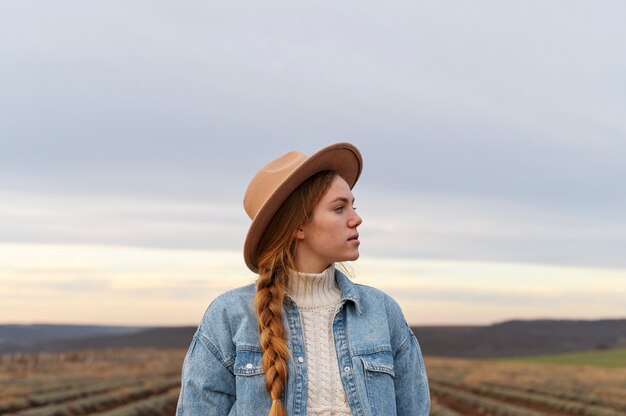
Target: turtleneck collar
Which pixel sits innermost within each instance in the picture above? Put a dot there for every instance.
(310, 290)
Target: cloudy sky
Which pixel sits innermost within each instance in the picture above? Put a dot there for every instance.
(493, 136)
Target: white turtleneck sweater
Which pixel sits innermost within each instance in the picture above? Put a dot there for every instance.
(317, 296)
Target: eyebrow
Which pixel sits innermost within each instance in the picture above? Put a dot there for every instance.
(342, 199)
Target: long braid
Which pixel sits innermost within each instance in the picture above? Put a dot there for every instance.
(269, 307)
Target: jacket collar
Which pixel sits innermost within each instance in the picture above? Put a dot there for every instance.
(348, 289)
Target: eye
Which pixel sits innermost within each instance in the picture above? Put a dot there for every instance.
(339, 209)
(354, 208)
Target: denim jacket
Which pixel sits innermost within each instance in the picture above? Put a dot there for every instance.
(379, 358)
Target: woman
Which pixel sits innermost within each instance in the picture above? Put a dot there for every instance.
(304, 339)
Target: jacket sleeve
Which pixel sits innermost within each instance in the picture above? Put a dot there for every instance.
(411, 381)
(207, 385)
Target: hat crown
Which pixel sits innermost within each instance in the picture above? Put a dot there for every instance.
(268, 178)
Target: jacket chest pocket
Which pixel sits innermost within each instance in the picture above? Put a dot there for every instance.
(379, 373)
(252, 396)
(248, 363)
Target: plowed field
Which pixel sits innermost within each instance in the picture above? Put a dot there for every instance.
(146, 382)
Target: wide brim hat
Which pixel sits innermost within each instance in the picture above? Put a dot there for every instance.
(275, 181)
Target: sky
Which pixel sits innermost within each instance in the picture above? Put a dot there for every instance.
(493, 136)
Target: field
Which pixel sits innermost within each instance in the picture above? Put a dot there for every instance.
(121, 382)
(146, 382)
(603, 358)
(484, 387)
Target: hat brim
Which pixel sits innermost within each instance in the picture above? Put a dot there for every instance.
(343, 158)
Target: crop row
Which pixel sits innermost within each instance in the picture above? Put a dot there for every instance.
(473, 403)
(437, 409)
(539, 400)
(161, 405)
(105, 401)
(76, 391)
(617, 402)
(38, 384)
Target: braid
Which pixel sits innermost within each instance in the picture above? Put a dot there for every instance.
(269, 307)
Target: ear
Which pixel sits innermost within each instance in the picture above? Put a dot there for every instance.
(299, 234)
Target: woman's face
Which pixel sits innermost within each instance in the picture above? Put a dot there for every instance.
(331, 234)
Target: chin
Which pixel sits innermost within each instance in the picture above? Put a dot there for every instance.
(352, 257)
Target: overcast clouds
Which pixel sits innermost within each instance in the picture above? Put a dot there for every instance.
(490, 130)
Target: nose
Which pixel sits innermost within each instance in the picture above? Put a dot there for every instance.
(355, 221)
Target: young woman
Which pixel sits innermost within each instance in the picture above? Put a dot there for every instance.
(304, 339)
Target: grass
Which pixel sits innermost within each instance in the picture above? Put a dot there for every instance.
(599, 358)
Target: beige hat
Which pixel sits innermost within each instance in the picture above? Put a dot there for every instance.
(275, 181)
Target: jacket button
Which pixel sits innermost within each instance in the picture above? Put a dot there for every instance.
(249, 366)
(346, 369)
(300, 359)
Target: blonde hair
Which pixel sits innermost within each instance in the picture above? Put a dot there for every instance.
(275, 256)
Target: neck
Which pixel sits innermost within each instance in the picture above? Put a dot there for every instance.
(313, 289)
(307, 264)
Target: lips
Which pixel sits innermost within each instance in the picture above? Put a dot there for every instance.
(354, 237)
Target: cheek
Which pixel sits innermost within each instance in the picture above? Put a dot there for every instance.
(322, 234)
(326, 229)
(331, 233)
(322, 237)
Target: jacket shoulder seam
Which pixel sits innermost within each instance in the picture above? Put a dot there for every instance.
(227, 362)
(405, 344)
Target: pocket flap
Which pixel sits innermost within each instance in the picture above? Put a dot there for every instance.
(248, 363)
(380, 362)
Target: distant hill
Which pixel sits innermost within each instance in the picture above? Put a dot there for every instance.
(504, 339)
(164, 337)
(17, 337)
(521, 337)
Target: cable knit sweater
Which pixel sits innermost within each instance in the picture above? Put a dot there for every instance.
(318, 296)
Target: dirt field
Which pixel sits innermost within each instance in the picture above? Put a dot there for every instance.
(100, 382)
(146, 382)
(477, 387)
